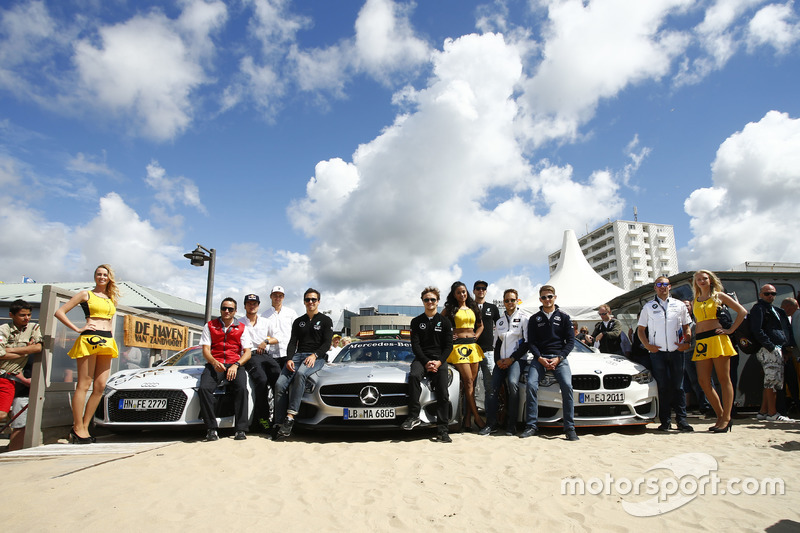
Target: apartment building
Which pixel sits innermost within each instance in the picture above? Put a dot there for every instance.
(629, 254)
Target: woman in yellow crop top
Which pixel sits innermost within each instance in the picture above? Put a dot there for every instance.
(462, 311)
(93, 349)
(713, 347)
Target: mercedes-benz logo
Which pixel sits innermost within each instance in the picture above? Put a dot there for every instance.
(369, 395)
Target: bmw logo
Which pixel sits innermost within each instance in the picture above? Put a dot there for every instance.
(598, 371)
(369, 395)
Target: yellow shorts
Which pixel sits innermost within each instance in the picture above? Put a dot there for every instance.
(712, 347)
(94, 343)
(465, 353)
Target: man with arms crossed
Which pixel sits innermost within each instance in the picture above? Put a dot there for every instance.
(280, 319)
(509, 336)
(18, 340)
(308, 346)
(432, 342)
(226, 346)
(668, 335)
(550, 338)
(489, 315)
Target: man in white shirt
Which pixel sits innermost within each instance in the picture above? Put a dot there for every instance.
(668, 323)
(280, 320)
(263, 369)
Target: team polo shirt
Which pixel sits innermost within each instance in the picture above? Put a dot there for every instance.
(511, 331)
(258, 331)
(664, 321)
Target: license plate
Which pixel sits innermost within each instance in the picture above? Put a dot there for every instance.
(386, 413)
(143, 404)
(601, 397)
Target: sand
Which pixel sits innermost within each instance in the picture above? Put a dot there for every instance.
(407, 482)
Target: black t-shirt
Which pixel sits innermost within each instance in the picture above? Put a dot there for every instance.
(311, 335)
(489, 315)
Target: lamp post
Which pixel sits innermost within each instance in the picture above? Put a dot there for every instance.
(198, 258)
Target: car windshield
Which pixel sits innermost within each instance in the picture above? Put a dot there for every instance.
(372, 351)
(188, 357)
(580, 347)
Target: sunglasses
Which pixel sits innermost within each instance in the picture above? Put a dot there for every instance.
(429, 300)
(509, 300)
(662, 284)
(547, 297)
(480, 288)
(310, 300)
(603, 314)
(228, 309)
(769, 293)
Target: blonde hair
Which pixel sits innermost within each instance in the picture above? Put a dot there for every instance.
(112, 291)
(714, 283)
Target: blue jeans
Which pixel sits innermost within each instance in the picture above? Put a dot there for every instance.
(291, 385)
(563, 375)
(511, 376)
(668, 371)
(486, 365)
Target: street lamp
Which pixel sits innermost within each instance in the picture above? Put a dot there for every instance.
(198, 258)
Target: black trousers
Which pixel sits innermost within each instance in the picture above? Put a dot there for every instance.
(209, 381)
(439, 380)
(264, 371)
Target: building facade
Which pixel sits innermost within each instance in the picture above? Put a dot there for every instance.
(628, 254)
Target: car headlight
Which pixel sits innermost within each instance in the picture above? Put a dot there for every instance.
(642, 377)
(548, 379)
(310, 386)
(118, 380)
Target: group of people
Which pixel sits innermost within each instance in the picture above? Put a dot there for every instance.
(281, 350)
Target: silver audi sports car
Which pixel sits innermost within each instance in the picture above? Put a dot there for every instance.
(366, 387)
(163, 396)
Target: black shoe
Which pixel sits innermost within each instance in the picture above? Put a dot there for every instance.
(571, 435)
(240, 436)
(444, 437)
(685, 427)
(286, 428)
(664, 427)
(75, 439)
(529, 432)
(488, 429)
(211, 435)
(510, 432)
(726, 429)
(411, 423)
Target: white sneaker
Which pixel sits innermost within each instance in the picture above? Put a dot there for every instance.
(777, 417)
(761, 416)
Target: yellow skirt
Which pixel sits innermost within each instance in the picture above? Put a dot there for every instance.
(465, 353)
(713, 347)
(94, 343)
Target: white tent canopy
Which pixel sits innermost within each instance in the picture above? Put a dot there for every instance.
(580, 290)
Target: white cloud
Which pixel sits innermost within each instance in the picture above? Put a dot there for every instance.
(750, 211)
(446, 181)
(775, 25)
(170, 190)
(591, 52)
(148, 66)
(91, 165)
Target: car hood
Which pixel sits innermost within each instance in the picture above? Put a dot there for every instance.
(363, 372)
(172, 377)
(605, 363)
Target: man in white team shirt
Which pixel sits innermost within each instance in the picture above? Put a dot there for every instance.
(279, 320)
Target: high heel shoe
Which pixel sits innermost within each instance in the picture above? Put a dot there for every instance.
(75, 439)
(726, 429)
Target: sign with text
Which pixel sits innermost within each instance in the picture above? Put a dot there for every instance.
(146, 333)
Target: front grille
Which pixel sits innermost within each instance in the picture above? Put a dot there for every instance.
(347, 394)
(176, 402)
(547, 412)
(600, 411)
(585, 382)
(616, 381)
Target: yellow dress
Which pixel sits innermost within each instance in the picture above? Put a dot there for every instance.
(465, 350)
(709, 345)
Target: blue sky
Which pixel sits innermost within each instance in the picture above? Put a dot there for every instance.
(372, 148)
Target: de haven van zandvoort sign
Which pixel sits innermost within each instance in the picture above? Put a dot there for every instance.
(146, 333)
